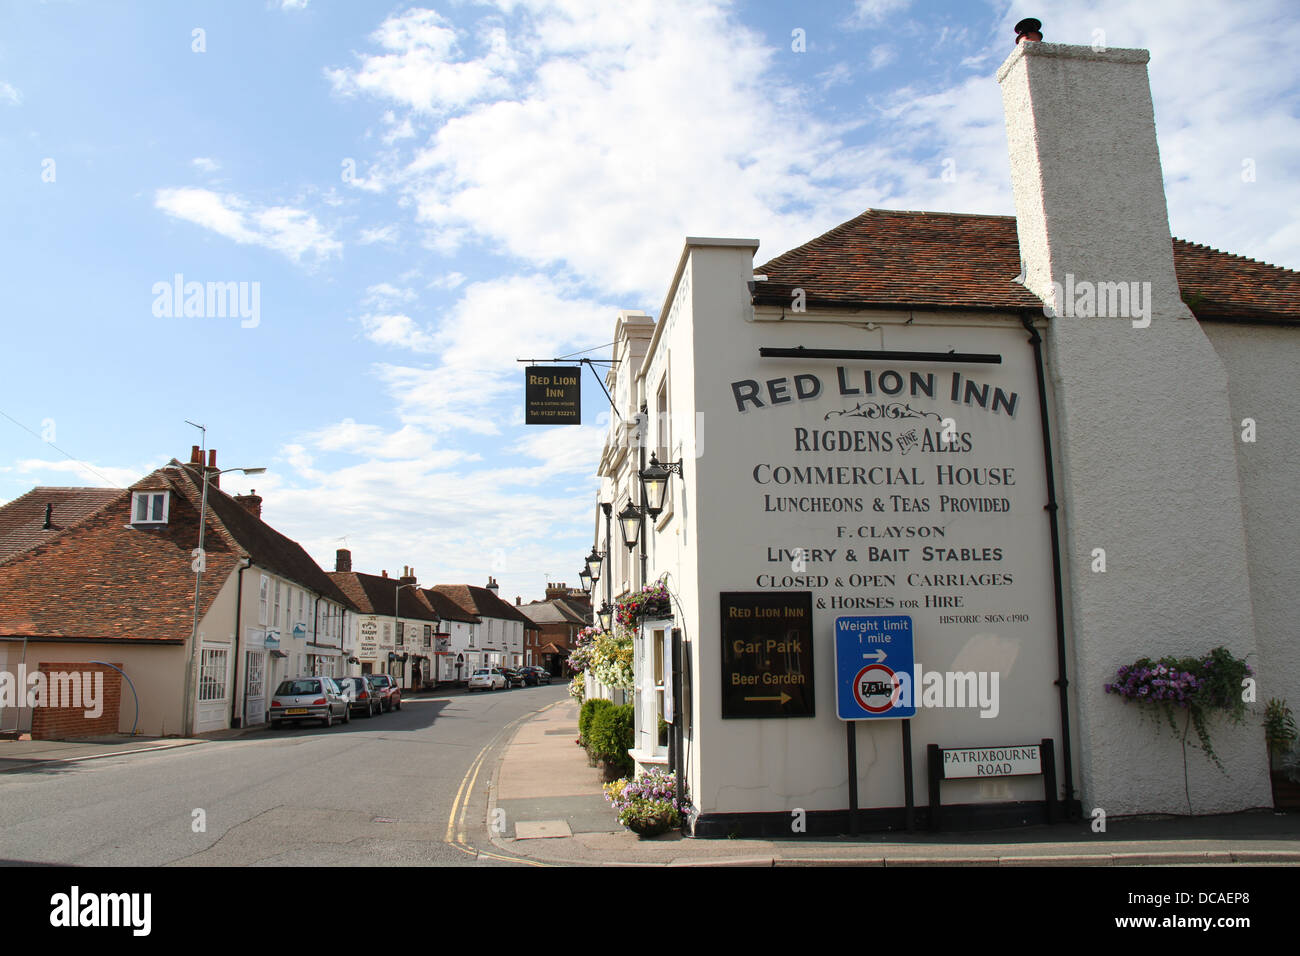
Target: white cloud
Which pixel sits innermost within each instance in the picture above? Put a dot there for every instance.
(293, 232)
(422, 70)
(385, 293)
(387, 233)
(872, 13)
(882, 55)
(205, 164)
(294, 4)
(10, 93)
(399, 331)
(85, 473)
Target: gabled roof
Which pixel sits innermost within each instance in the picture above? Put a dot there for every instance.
(257, 539)
(448, 609)
(554, 611)
(482, 602)
(927, 260)
(107, 579)
(376, 594)
(22, 521)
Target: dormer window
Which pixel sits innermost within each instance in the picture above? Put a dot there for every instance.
(149, 507)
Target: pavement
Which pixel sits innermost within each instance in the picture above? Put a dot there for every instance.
(556, 812)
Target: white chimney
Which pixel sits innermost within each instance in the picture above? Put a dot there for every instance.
(1142, 422)
(1085, 169)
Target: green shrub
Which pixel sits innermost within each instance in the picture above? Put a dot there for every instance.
(611, 735)
(588, 712)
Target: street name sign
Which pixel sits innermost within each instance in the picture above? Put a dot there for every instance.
(874, 657)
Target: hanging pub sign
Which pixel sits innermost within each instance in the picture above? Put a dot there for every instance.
(553, 395)
(767, 654)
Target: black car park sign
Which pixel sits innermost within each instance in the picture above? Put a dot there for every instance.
(767, 654)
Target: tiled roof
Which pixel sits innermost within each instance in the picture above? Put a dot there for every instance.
(448, 609)
(482, 602)
(375, 594)
(105, 579)
(555, 611)
(266, 546)
(891, 259)
(22, 520)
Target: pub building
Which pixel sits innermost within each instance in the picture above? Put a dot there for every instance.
(920, 505)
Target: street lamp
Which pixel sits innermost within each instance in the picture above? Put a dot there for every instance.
(396, 623)
(606, 615)
(654, 481)
(200, 563)
(594, 561)
(629, 520)
(585, 577)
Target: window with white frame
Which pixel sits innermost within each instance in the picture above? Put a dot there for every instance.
(652, 652)
(275, 615)
(149, 507)
(264, 600)
(401, 633)
(428, 635)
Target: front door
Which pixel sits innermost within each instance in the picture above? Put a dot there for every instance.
(255, 688)
(214, 690)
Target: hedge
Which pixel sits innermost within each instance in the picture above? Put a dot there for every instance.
(588, 712)
(611, 735)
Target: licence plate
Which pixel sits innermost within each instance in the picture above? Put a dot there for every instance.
(296, 710)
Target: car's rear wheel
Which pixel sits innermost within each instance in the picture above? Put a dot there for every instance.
(347, 715)
(328, 718)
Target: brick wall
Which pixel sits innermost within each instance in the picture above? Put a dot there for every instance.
(60, 723)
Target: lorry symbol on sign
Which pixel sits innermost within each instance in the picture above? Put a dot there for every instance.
(877, 688)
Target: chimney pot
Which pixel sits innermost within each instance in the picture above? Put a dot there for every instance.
(212, 458)
(342, 560)
(252, 502)
(196, 456)
(49, 511)
(1029, 29)
(384, 573)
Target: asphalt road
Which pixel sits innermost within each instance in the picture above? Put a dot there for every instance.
(377, 791)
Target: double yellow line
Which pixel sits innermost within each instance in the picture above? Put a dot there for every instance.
(460, 806)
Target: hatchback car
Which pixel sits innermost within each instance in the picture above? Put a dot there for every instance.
(487, 678)
(309, 698)
(389, 692)
(362, 698)
(514, 678)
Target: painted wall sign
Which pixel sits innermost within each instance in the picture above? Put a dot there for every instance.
(553, 395)
(767, 654)
(874, 660)
(991, 761)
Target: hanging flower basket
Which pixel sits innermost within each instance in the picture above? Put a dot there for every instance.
(653, 601)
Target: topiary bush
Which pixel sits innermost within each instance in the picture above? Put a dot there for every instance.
(611, 735)
(589, 710)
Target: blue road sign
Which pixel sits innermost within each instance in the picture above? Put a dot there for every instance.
(874, 663)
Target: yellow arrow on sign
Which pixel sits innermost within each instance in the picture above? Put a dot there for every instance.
(783, 698)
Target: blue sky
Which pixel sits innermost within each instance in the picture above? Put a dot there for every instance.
(423, 194)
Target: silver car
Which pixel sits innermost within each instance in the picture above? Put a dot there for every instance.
(309, 698)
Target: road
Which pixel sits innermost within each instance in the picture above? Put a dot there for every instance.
(378, 791)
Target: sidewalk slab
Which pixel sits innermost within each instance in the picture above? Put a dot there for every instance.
(31, 754)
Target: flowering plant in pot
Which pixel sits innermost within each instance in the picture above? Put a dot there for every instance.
(648, 804)
(1197, 687)
(653, 600)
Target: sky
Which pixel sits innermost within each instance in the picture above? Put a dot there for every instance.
(404, 200)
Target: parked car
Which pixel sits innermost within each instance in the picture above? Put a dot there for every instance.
(309, 698)
(513, 677)
(362, 698)
(389, 692)
(487, 678)
(534, 675)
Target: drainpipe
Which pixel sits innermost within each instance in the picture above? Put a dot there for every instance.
(236, 721)
(1052, 507)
